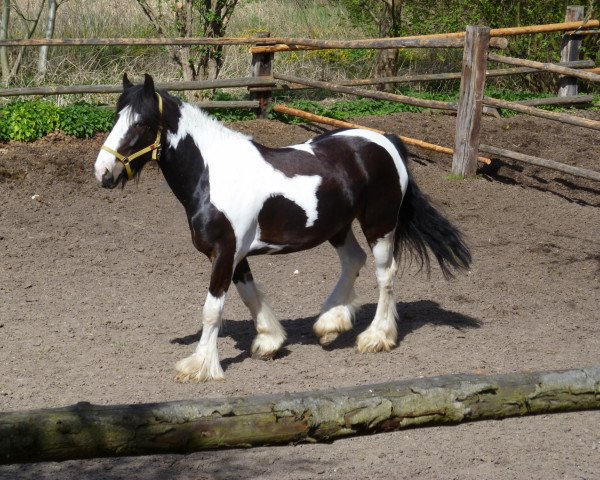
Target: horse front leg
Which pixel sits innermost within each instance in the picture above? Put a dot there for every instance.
(203, 364)
(270, 334)
(337, 313)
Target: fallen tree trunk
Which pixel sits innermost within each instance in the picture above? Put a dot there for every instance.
(85, 430)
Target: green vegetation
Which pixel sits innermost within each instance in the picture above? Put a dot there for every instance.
(26, 121)
(346, 19)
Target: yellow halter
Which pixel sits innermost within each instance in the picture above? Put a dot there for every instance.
(126, 160)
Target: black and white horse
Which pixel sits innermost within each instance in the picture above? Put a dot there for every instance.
(242, 198)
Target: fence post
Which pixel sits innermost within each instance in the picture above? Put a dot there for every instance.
(470, 105)
(569, 51)
(262, 66)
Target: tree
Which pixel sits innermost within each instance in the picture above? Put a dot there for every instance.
(8, 71)
(384, 17)
(386, 61)
(190, 18)
(3, 36)
(49, 33)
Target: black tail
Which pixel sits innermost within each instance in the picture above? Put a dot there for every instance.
(421, 228)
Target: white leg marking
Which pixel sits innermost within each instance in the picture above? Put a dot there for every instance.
(382, 333)
(337, 313)
(204, 364)
(271, 334)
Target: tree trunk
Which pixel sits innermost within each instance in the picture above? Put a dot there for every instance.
(4, 36)
(43, 54)
(386, 61)
(86, 431)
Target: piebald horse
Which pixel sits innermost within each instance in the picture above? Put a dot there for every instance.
(242, 198)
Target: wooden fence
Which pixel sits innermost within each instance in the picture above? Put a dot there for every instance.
(475, 41)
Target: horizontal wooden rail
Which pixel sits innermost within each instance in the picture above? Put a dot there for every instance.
(376, 43)
(569, 100)
(542, 162)
(174, 86)
(343, 124)
(548, 67)
(428, 77)
(87, 431)
(418, 102)
(422, 39)
(537, 112)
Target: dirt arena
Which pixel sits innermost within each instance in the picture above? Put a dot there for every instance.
(100, 295)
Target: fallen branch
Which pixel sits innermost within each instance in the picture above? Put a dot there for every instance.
(86, 431)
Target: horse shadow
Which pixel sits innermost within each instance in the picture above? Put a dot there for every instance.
(413, 316)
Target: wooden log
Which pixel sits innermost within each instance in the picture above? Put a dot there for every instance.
(569, 50)
(418, 102)
(470, 105)
(568, 101)
(377, 43)
(548, 67)
(69, 42)
(428, 77)
(395, 42)
(343, 124)
(542, 162)
(538, 112)
(174, 86)
(298, 44)
(547, 28)
(87, 431)
(262, 66)
(212, 104)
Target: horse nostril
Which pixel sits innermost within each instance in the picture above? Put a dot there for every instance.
(107, 180)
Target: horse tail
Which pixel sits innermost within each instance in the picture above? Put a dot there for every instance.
(422, 229)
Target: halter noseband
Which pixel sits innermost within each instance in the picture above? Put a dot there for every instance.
(154, 147)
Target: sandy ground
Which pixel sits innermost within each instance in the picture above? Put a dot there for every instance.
(100, 295)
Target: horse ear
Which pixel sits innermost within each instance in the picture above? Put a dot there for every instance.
(148, 85)
(126, 83)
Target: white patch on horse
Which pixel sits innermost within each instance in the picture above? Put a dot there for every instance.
(105, 160)
(304, 147)
(204, 363)
(235, 165)
(382, 141)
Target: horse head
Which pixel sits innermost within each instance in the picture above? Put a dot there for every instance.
(135, 137)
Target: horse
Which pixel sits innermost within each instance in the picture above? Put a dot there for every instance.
(242, 199)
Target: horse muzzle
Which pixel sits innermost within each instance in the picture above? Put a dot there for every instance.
(109, 181)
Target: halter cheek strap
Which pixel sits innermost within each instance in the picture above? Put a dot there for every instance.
(154, 147)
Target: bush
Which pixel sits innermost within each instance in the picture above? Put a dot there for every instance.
(83, 120)
(27, 121)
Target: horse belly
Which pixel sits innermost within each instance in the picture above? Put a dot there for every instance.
(283, 225)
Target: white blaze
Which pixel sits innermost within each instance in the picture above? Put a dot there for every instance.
(106, 161)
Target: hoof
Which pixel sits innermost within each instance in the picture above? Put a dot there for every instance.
(265, 346)
(371, 341)
(196, 368)
(333, 322)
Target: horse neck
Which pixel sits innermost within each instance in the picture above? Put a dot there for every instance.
(189, 133)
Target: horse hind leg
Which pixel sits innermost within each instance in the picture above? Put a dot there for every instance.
(337, 313)
(382, 333)
(270, 334)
